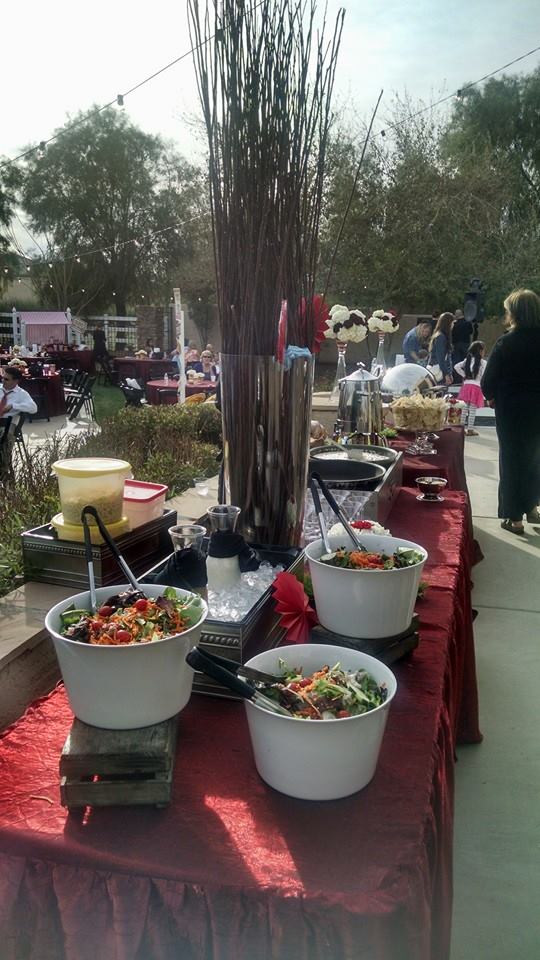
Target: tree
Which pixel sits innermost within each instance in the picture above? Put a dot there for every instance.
(498, 127)
(421, 223)
(8, 259)
(106, 186)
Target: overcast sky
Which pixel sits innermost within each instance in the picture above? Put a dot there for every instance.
(63, 56)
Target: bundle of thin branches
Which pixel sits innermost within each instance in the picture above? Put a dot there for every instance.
(265, 80)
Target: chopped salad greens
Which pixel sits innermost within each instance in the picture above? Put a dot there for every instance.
(330, 693)
(366, 560)
(131, 617)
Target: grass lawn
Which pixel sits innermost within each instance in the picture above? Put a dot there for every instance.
(108, 401)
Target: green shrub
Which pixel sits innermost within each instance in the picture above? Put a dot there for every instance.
(29, 501)
(169, 444)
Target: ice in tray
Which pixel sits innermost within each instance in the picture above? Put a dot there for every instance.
(352, 502)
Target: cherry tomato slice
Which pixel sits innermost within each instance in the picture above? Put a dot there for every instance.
(96, 625)
(105, 611)
(123, 636)
(141, 604)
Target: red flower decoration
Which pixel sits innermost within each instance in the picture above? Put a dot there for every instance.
(296, 615)
(320, 314)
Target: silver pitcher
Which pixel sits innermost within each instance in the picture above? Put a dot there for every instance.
(360, 404)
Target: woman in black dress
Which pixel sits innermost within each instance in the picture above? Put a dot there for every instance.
(512, 381)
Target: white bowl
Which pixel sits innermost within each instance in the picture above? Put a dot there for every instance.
(364, 603)
(318, 759)
(125, 686)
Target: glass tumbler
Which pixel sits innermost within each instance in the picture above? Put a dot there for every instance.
(186, 535)
(223, 517)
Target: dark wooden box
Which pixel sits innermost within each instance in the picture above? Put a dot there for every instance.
(50, 560)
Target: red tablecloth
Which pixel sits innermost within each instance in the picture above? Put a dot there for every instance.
(143, 369)
(448, 462)
(53, 388)
(232, 868)
(152, 387)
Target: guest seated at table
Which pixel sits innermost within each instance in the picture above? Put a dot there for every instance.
(192, 354)
(208, 366)
(176, 357)
(13, 399)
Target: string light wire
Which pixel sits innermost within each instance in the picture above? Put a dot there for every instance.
(460, 93)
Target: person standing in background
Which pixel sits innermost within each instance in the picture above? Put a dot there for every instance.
(100, 344)
(440, 349)
(472, 370)
(511, 382)
(416, 341)
(462, 332)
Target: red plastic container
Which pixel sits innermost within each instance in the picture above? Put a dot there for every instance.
(143, 501)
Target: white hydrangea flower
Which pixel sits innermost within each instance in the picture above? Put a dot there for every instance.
(339, 313)
(354, 334)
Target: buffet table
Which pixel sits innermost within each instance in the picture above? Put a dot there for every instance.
(448, 462)
(232, 868)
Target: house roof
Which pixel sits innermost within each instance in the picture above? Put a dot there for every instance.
(44, 317)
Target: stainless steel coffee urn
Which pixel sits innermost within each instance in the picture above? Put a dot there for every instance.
(360, 405)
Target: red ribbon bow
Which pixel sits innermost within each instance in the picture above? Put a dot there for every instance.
(296, 615)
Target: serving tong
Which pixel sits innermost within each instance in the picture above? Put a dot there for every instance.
(139, 588)
(316, 478)
(226, 672)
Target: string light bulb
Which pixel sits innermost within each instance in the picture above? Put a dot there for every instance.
(5, 269)
(114, 293)
(459, 95)
(41, 150)
(50, 266)
(78, 259)
(28, 269)
(120, 99)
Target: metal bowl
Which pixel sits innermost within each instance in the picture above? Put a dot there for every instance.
(359, 453)
(339, 469)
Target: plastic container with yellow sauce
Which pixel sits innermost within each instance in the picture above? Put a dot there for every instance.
(75, 531)
(92, 481)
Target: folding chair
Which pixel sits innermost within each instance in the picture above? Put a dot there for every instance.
(167, 395)
(76, 399)
(19, 443)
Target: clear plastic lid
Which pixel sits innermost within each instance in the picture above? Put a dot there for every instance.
(90, 466)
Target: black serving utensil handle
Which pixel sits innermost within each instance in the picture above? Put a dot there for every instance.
(338, 512)
(111, 545)
(201, 661)
(89, 562)
(318, 511)
(249, 673)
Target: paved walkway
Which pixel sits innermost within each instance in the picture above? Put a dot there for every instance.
(497, 826)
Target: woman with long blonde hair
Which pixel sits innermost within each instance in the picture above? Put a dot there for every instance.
(511, 383)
